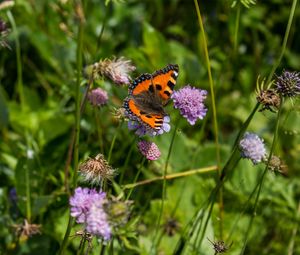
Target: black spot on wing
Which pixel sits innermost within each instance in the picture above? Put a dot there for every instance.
(167, 93)
(151, 88)
(171, 85)
(158, 86)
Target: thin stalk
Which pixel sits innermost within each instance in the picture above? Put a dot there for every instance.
(20, 89)
(263, 178)
(18, 59)
(77, 117)
(172, 176)
(214, 109)
(124, 167)
(285, 39)
(291, 245)
(136, 178)
(77, 95)
(113, 142)
(99, 129)
(236, 30)
(164, 185)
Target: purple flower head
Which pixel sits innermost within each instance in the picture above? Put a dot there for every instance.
(149, 150)
(288, 84)
(142, 130)
(190, 102)
(97, 222)
(253, 148)
(97, 97)
(81, 202)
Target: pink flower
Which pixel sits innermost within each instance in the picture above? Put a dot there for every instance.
(149, 150)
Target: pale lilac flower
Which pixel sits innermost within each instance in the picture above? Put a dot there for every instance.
(97, 222)
(97, 97)
(81, 202)
(141, 130)
(288, 84)
(149, 150)
(190, 102)
(116, 69)
(253, 148)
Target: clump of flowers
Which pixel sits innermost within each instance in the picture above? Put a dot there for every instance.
(94, 170)
(253, 148)
(87, 206)
(97, 97)
(288, 84)
(116, 69)
(190, 102)
(149, 150)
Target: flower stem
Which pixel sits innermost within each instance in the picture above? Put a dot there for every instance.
(172, 176)
(77, 117)
(215, 120)
(113, 141)
(21, 95)
(285, 39)
(136, 178)
(154, 243)
(262, 178)
(236, 30)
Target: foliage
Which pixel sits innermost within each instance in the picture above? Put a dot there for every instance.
(43, 83)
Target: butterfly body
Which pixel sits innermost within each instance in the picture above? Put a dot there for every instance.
(148, 94)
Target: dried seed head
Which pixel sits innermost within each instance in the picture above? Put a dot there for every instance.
(220, 246)
(171, 226)
(269, 99)
(116, 69)
(119, 113)
(277, 165)
(94, 170)
(27, 230)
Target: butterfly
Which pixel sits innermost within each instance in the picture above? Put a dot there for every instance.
(147, 96)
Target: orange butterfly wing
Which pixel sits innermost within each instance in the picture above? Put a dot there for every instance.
(162, 83)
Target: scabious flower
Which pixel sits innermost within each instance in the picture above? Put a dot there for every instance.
(94, 170)
(142, 130)
(87, 206)
(253, 148)
(149, 150)
(116, 69)
(190, 102)
(97, 222)
(269, 99)
(288, 84)
(97, 97)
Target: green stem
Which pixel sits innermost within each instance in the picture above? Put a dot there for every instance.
(164, 187)
(113, 141)
(215, 120)
(77, 96)
(19, 60)
(262, 178)
(20, 89)
(99, 128)
(285, 39)
(236, 30)
(77, 120)
(124, 167)
(136, 178)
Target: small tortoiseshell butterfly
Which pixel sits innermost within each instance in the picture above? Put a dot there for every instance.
(148, 94)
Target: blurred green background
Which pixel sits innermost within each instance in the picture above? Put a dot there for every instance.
(36, 122)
